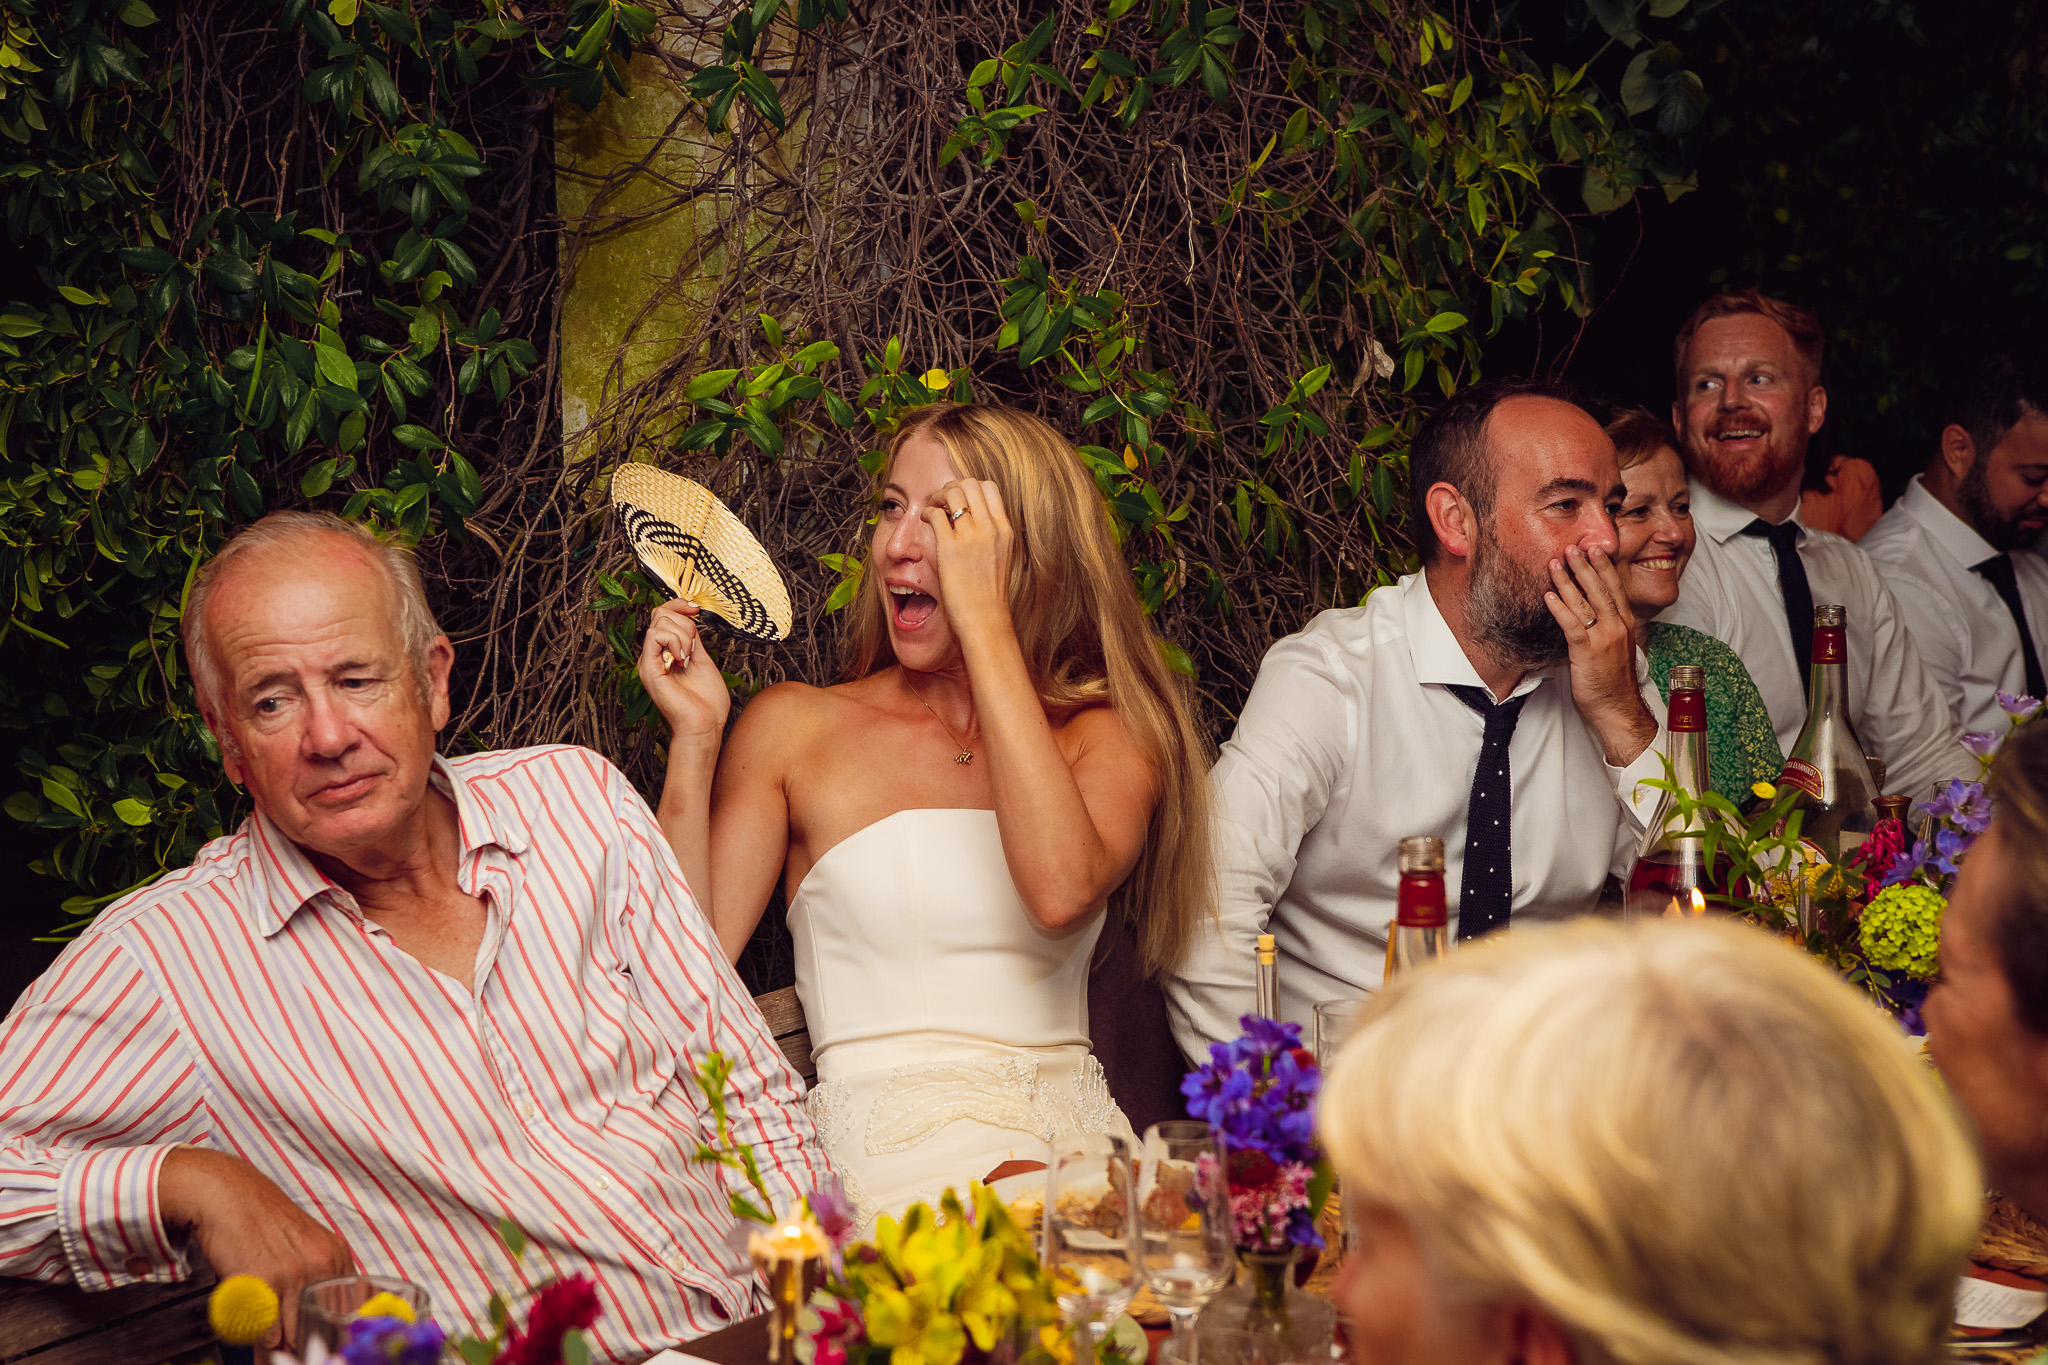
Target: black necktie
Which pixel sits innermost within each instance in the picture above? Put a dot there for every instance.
(1792, 585)
(1997, 571)
(1486, 891)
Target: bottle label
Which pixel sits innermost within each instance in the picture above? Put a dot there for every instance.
(1803, 775)
(1985, 1305)
(1830, 645)
(1420, 904)
(1688, 710)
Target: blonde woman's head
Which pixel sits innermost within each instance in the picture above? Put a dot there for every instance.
(1645, 1143)
(1085, 637)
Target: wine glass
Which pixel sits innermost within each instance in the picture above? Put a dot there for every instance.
(1334, 1021)
(1089, 1231)
(1187, 1252)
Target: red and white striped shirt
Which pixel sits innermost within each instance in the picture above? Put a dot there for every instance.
(244, 1004)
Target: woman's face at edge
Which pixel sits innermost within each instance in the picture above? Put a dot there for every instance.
(1655, 531)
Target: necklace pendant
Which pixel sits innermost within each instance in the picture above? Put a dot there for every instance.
(964, 756)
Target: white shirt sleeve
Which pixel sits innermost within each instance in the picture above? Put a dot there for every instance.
(1905, 718)
(1292, 750)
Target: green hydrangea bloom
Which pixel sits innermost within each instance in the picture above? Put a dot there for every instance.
(1901, 930)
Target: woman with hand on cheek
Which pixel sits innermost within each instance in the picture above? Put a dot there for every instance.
(1006, 755)
(1656, 536)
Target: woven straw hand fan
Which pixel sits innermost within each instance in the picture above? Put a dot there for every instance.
(690, 541)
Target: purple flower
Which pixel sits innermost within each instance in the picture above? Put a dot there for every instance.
(2019, 708)
(1983, 743)
(834, 1211)
(393, 1341)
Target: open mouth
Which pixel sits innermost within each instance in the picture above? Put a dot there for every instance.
(910, 607)
(1740, 434)
(1658, 564)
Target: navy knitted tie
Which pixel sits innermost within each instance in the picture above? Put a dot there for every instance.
(1486, 891)
(1998, 571)
(1792, 586)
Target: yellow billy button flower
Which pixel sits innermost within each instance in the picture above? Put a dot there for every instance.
(241, 1310)
(1764, 791)
(386, 1305)
(936, 379)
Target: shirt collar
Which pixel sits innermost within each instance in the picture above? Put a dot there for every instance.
(1439, 658)
(1723, 520)
(1950, 533)
(286, 880)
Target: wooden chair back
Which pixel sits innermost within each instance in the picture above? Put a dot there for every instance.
(785, 1016)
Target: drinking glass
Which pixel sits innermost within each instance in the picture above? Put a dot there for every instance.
(1334, 1021)
(327, 1307)
(1187, 1252)
(1217, 1346)
(1089, 1228)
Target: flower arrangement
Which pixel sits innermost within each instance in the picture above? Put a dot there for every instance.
(243, 1310)
(1258, 1093)
(959, 1285)
(1876, 915)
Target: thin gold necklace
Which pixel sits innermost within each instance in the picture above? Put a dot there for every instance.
(966, 755)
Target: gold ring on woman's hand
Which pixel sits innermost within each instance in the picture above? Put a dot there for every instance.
(952, 516)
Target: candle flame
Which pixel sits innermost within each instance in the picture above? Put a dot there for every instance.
(1699, 902)
(1674, 910)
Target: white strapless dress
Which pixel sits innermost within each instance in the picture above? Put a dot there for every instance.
(950, 1031)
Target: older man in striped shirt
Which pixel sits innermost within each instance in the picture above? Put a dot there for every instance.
(409, 996)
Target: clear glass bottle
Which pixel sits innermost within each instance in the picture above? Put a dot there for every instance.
(1266, 988)
(1672, 864)
(1421, 928)
(1827, 764)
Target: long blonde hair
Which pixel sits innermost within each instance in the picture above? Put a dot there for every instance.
(1684, 1140)
(1085, 641)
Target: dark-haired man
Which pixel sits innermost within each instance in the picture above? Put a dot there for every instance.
(1490, 700)
(1749, 400)
(1953, 549)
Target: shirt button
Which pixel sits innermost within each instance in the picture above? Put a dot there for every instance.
(530, 1112)
(603, 1184)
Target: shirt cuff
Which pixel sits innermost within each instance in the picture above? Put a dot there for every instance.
(1638, 800)
(107, 1219)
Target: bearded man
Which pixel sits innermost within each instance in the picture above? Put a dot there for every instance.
(1749, 400)
(1955, 549)
(1490, 700)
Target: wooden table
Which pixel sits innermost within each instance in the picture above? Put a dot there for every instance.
(45, 1324)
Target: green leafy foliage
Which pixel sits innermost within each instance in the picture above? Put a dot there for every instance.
(171, 370)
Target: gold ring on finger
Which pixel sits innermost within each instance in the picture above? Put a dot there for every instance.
(953, 516)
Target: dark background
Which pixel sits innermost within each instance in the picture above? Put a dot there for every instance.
(1882, 163)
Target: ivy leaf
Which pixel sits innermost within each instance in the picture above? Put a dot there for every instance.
(132, 812)
(417, 438)
(248, 497)
(1444, 323)
(330, 356)
(708, 384)
(60, 796)
(318, 479)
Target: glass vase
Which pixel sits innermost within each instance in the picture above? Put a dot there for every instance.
(1285, 1324)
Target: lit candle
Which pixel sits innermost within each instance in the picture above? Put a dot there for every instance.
(791, 1257)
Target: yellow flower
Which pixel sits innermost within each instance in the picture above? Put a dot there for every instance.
(1825, 879)
(241, 1310)
(936, 379)
(386, 1305)
(1764, 790)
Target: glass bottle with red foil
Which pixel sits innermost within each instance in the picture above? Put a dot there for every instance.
(1421, 929)
(1827, 764)
(1672, 864)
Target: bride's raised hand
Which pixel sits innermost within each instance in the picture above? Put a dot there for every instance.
(975, 542)
(684, 683)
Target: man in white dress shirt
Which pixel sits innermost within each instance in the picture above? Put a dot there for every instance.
(1492, 695)
(1749, 400)
(1952, 549)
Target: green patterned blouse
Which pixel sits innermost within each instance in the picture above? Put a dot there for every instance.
(1742, 745)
